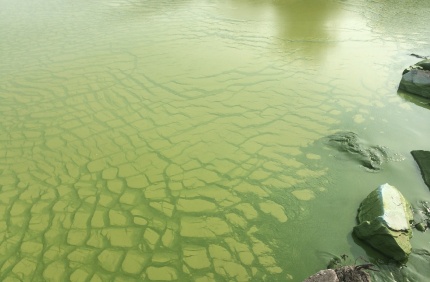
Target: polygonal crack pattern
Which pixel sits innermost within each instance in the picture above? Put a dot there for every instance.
(112, 170)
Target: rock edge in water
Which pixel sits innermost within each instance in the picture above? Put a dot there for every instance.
(384, 219)
(345, 273)
(370, 157)
(423, 160)
(416, 79)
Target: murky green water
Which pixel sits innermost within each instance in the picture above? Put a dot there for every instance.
(181, 140)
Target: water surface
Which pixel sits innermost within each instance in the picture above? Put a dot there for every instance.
(181, 140)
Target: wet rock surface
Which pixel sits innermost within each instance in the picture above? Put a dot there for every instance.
(352, 274)
(416, 79)
(423, 160)
(384, 219)
(422, 216)
(341, 274)
(370, 157)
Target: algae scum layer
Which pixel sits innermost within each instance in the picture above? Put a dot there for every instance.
(184, 140)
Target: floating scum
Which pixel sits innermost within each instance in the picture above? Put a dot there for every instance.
(138, 145)
(109, 171)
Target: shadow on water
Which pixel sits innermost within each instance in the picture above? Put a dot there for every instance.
(308, 21)
(311, 24)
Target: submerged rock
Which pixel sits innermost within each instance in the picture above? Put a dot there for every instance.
(423, 160)
(421, 226)
(422, 216)
(371, 157)
(416, 79)
(384, 222)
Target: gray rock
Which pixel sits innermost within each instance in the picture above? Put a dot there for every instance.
(327, 275)
(352, 274)
(416, 79)
(416, 82)
(423, 160)
(384, 219)
(341, 274)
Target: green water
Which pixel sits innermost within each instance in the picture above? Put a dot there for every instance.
(181, 140)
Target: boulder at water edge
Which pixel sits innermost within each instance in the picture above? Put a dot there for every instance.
(384, 222)
(416, 79)
(327, 275)
(423, 160)
(341, 274)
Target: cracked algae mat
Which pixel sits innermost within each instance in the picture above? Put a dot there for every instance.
(165, 140)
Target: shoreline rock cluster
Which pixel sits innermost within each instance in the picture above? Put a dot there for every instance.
(384, 217)
(345, 273)
(384, 222)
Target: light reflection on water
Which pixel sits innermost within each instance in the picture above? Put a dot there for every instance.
(179, 141)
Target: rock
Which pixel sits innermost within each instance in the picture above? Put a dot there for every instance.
(416, 79)
(422, 65)
(327, 275)
(352, 274)
(421, 226)
(384, 219)
(371, 157)
(341, 274)
(416, 82)
(423, 160)
(420, 56)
